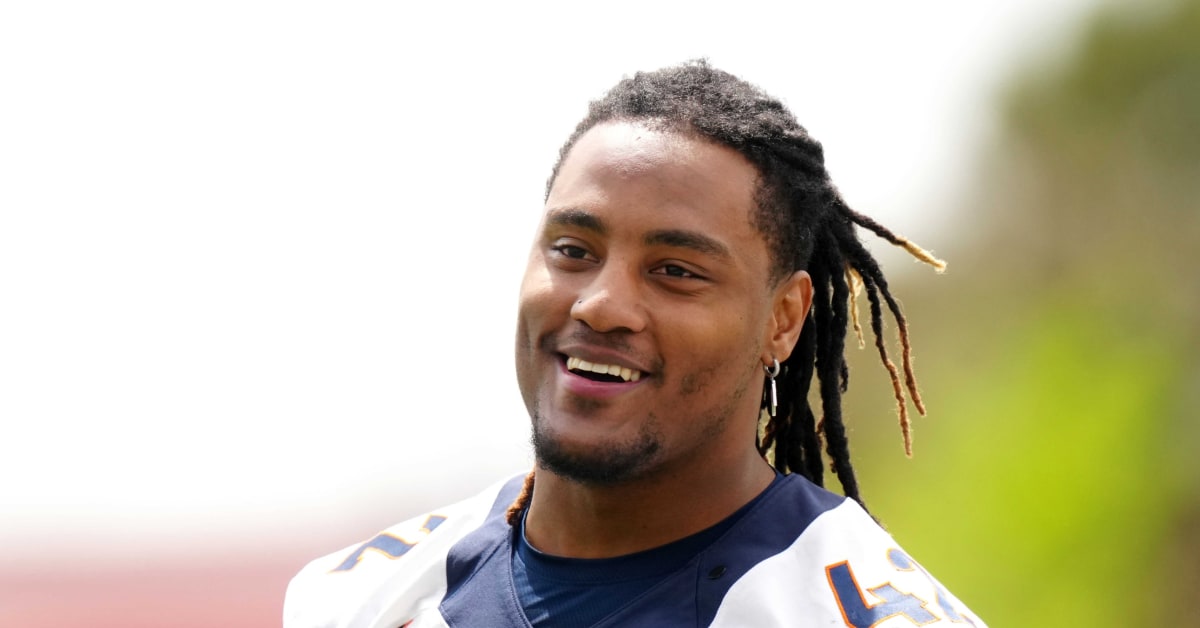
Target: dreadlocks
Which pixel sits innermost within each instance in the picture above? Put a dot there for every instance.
(807, 226)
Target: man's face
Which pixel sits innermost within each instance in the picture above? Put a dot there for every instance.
(647, 266)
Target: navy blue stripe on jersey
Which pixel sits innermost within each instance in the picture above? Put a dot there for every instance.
(768, 529)
(696, 592)
(483, 557)
(479, 567)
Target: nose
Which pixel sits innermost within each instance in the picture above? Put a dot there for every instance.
(612, 301)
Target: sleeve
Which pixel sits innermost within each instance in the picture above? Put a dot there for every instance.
(844, 570)
(396, 578)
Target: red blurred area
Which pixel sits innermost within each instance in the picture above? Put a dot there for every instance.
(226, 590)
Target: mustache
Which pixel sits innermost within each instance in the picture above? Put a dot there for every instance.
(618, 341)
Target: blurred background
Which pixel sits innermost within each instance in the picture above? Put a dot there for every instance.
(259, 262)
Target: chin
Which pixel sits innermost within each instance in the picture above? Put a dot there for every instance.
(597, 464)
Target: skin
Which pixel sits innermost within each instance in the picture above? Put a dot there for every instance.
(647, 257)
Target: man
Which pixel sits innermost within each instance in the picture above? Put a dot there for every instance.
(694, 268)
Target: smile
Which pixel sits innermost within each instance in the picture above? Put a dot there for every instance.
(602, 372)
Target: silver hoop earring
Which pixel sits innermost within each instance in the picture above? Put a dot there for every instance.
(772, 373)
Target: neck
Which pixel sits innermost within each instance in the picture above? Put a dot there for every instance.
(568, 518)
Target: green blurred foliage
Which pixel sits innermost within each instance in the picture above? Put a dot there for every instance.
(1057, 481)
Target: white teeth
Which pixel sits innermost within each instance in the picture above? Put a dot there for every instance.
(627, 374)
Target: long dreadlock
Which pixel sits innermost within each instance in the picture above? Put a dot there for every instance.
(807, 226)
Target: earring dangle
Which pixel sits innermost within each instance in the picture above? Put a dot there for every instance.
(772, 373)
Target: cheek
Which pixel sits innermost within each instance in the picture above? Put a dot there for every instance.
(542, 310)
(720, 355)
(535, 302)
(731, 371)
(531, 328)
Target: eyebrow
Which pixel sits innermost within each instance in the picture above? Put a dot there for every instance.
(680, 238)
(576, 218)
(688, 240)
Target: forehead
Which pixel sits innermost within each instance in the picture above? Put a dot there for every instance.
(629, 150)
(629, 174)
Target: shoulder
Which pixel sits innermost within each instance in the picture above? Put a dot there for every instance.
(394, 576)
(841, 566)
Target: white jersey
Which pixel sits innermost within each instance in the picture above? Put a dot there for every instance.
(802, 556)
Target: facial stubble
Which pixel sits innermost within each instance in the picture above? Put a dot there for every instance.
(614, 462)
(603, 464)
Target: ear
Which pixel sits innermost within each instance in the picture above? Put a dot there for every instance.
(789, 310)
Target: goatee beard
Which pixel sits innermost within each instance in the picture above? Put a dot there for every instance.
(604, 464)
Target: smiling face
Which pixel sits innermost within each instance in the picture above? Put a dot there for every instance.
(647, 310)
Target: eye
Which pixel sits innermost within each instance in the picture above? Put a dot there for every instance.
(570, 254)
(675, 270)
(571, 251)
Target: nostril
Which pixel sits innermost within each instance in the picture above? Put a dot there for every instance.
(603, 312)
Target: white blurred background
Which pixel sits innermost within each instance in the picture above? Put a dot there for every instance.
(259, 260)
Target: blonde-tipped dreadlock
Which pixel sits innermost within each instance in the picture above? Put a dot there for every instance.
(855, 283)
(513, 516)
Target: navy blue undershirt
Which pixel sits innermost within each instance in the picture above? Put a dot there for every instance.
(582, 591)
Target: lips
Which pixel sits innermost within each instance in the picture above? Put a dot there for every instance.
(579, 365)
